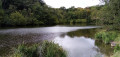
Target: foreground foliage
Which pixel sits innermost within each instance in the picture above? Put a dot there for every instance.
(24, 51)
(47, 49)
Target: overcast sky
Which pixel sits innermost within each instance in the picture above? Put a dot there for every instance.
(69, 3)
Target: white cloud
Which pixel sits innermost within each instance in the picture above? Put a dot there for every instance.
(69, 3)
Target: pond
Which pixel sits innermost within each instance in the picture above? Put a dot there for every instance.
(78, 41)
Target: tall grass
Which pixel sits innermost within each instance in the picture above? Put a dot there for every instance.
(106, 37)
(117, 47)
(25, 51)
(47, 49)
(116, 54)
(116, 51)
(117, 40)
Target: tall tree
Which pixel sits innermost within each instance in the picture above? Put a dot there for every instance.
(20, 4)
(111, 13)
(1, 12)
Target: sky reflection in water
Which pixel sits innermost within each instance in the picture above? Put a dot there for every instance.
(79, 46)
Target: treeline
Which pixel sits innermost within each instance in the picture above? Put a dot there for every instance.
(107, 14)
(36, 12)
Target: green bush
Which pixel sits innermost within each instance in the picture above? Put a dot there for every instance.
(117, 48)
(47, 49)
(24, 51)
(106, 37)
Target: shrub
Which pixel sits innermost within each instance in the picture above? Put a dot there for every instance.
(106, 37)
(24, 51)
(47, 49)
(117, 48)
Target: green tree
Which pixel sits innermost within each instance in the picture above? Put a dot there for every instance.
(111, 14)
(36, 12)
(20, 4)
(32, 20)
(17, 18)
(96, 12)
(1, 13)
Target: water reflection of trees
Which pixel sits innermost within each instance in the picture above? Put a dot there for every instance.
(84, 32)
(75, 24)
(105, 49)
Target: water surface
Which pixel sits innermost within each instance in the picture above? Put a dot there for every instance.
(79, 46)
(78, 41)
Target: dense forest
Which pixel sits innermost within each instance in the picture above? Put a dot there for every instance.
(37, 12)
(108, 14)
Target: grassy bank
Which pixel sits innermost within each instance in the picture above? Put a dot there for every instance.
(116, 51)
(47, 49)
(106, 36)
(110, 36)
(117, 47)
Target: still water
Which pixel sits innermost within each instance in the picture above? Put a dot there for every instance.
(78, 41)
